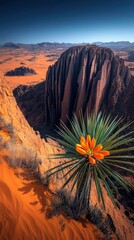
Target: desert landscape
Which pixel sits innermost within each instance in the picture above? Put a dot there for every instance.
(40, 60)
(45, 84)
(40, 56)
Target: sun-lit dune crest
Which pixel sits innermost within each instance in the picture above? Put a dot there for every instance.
(23, 212)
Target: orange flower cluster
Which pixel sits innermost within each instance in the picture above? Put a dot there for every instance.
(88, 148)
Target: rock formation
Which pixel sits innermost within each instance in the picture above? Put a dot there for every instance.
(21, 71)
(90, 78)
(15, 133)
(24, 146)
(131, 57)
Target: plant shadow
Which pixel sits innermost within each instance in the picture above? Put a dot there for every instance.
(41, 193)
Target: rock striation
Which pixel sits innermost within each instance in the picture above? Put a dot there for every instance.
(90, 78)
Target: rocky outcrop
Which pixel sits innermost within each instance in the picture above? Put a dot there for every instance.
(131, 57)
(15, 133)
(21, 71)
(20, 144)
(90, 78)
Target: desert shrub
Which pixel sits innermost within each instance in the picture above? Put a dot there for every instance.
(6, 133)
(105, 224)
(96, 150)
(62, 205)
(21, 156)
(6, 125)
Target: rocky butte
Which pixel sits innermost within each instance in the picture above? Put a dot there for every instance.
(90, 78)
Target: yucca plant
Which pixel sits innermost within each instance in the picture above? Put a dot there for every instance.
(95, 149)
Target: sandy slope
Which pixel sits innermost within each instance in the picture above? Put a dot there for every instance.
(23, 212)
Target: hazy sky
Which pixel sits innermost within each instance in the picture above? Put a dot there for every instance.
(32, 21)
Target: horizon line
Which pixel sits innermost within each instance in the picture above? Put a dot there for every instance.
(55, 42)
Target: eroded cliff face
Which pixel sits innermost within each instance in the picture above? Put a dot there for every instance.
(20, 137)
(90, 78)
(20, 145)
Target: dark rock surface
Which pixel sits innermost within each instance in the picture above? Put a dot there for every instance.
(21, 71)
(131, 56)
(31, 102)
(90, 78)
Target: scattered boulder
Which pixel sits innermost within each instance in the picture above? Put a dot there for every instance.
(21, 71)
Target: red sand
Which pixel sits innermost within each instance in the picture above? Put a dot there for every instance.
(23, 206)
(40, 64)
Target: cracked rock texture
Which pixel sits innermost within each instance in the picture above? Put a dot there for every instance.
(90, 78)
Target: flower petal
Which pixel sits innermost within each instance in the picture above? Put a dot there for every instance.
(80, 150)
(93, 143)
(84, 144)
(78, 145)
(104, 153)
(98, 148)
(92, 160)
(82, 139)
(88, 139)
(98, 156)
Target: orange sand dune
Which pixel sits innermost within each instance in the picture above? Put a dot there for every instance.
(23, 209)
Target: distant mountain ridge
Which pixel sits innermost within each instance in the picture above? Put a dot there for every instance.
(51, 45)
(42, 45)
(114, 45)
